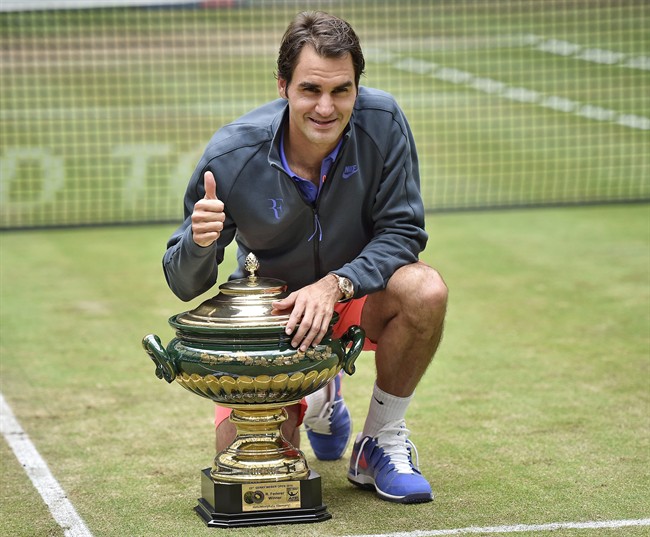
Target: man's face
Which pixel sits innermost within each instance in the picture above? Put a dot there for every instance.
(321, 97)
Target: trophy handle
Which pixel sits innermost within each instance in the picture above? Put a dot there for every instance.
(165, 367)
(357, 337)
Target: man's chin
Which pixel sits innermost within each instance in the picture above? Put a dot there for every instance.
(325, 138)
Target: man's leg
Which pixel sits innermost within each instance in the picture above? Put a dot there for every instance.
(406, 321)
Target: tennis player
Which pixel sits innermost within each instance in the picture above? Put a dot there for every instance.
(323, 185)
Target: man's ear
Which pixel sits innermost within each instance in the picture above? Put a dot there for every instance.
(282, 87)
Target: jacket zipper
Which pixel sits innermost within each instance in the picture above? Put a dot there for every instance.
(326, 182)
(314, 210)
(316, 242)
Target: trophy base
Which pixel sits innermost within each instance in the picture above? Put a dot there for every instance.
(232, 505)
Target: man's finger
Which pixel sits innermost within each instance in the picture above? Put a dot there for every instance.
(210, 185)
(299, 336)
(314, 335)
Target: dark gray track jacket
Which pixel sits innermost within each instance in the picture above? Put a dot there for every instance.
(366, 223)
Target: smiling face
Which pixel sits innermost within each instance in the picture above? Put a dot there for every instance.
(321, 97)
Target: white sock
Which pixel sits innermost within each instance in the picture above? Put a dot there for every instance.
(316, 401)
(384, 409)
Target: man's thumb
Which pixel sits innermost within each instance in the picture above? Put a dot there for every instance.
(210, 185)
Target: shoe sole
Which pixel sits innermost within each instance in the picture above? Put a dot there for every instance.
(368, 483)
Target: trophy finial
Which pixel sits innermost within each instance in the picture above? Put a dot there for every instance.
(251, 265)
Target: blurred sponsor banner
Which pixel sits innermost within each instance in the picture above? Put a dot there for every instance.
(33, 5)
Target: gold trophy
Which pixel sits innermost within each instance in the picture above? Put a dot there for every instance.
(232, 350)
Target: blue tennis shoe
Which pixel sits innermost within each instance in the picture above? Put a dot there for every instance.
(329, 431)
(385, 464)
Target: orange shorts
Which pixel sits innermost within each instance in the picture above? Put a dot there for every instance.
(349, 315)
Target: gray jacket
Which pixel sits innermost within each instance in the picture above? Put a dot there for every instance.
(366, 223)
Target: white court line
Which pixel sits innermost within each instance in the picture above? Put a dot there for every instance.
(589, 54)
(518, 528)
(505, 91)
(67, 517)
(36, 468)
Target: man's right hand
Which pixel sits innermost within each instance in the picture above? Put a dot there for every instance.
(208, 216)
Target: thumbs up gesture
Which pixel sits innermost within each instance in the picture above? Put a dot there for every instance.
(208, 215)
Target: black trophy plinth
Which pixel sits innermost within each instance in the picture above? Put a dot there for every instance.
(232, 505)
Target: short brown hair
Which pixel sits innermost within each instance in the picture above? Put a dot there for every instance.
(330, 36)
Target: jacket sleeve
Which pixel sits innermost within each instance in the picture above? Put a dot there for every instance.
(191, 269)
(397, 215)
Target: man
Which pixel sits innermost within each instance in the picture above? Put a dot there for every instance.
(323, 186)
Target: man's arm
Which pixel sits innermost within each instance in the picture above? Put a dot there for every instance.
(191, 260)
(397, 214)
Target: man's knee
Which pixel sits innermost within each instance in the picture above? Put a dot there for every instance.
(420, 282)
(416, 295)
(424, 295)
(435, 292)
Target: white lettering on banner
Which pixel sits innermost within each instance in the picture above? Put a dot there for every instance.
(186, 164)
(140, 156)
(52, 173)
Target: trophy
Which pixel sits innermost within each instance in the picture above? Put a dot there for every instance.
(233, 351)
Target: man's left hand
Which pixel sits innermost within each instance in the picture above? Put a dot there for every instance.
(311, 309)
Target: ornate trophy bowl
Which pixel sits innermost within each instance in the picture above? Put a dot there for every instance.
(233, 351)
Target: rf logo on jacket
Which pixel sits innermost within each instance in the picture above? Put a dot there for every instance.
(276, 206)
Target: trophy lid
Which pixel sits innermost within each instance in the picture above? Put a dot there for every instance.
(242, 303)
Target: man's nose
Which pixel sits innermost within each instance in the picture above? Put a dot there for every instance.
(325, 105)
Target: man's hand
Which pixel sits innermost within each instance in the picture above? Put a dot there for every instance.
(311, 309)
(208, 216)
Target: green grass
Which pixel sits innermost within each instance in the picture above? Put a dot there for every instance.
(534, 411)
(79, 86)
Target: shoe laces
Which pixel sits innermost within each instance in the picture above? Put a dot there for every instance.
(321, 422)
(392, 438)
